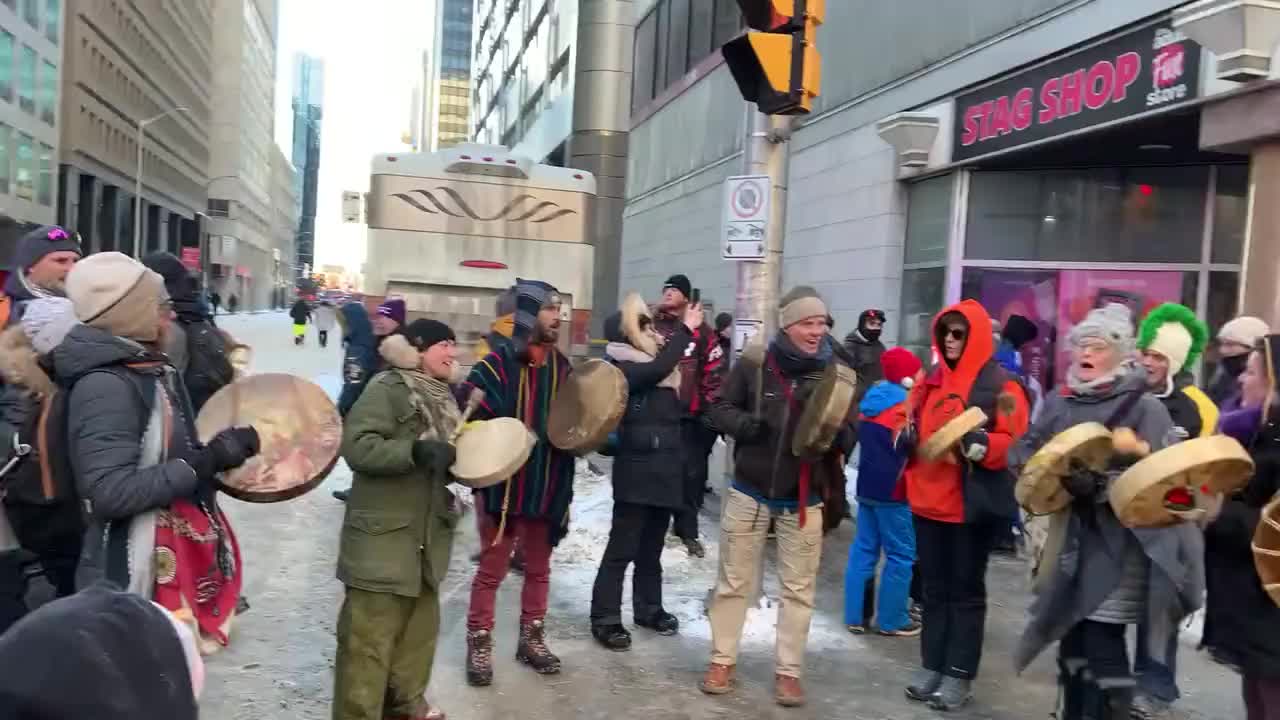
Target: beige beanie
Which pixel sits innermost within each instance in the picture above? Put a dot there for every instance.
(1173, 341)
(1244, 330)
(800, 304)
(113, 292)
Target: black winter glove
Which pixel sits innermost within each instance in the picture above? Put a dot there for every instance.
(974, 445)
(227, 450)
(1083, 482)
(753, 430)
(908, 440)
(434, 456)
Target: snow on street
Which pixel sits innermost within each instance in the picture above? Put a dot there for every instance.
(280, 661)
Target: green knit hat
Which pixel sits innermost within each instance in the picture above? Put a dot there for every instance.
(1175, 332)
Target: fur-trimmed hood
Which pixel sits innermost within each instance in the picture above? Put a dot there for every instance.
(19, 363)
(398, 353)
(635, 331)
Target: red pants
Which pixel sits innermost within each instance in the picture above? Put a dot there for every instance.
(534, 538)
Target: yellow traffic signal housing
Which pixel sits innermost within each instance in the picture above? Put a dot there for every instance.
(778, 68)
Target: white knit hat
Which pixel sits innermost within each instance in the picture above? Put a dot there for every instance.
(1112, 325)
(1244, 330)
(116, 293)
(1173, 341)
(46, 321)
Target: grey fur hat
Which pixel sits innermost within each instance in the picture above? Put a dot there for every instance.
(1112, 325)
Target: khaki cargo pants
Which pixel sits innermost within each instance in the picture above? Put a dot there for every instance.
(744, 526)
(386, 646)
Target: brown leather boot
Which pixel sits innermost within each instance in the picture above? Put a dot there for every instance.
(718, 680)
(788, 691)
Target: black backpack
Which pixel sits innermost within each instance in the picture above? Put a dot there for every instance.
(208, 363)
(43, 475)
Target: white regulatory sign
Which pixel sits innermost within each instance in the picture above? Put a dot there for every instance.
(743, 332)
(746, 215)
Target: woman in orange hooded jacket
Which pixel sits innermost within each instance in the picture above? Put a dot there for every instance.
(960, 502)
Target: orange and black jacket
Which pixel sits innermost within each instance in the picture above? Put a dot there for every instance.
(954, 489)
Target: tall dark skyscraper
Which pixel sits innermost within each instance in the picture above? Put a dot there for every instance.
(443, 97)
(308, 101)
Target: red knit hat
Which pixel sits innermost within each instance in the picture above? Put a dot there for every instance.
(900, 366)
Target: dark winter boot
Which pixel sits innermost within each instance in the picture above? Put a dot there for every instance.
(612, 637)
(953, 694)
(479, 658)
(1072, 688)
(1108, 701)
(661, 622)
(923, 685)
(533, 650)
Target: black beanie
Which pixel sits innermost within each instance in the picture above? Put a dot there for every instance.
(1019, 331)
(424, 333)
(723, 321)
(177, 278)
(40, 242)
(681, 283)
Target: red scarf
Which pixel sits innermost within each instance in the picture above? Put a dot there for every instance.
(197, 566)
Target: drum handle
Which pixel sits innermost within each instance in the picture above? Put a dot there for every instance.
(473, 401)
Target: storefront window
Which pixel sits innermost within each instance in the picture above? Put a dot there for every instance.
(922, 297)
(1224, 298)
(1057, 300)
(1230, 213)
(1153, 214)
(928, 221)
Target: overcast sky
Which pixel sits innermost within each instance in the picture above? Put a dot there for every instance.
(372, 53)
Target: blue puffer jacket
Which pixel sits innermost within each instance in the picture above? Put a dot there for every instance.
(361, 361)
(880, 463)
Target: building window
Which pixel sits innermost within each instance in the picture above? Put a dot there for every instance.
(1119, 214)
(701, 20)
(6, 66)
(48, 92)
(728, 22)
(678, 45)
(1230, 213)
(663, 10)
(645, 53)
(27, 80)
(44, 191)
(52, 17)
(31, 12)
(924, 261)
(6, 160)
(25, 177)
(219, 208)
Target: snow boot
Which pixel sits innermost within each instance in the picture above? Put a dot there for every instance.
(924, 685)
(612, 637)
(953, 694)
(533, 650)
(718, 680)
(479, 658)
(661, 622)
(787, 691)
(694, 547)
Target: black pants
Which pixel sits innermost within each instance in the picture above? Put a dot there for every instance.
(55, 534)
(953, 569)
(636, 537)
(324, 337)
(697, 451)
(1093, 663)
(13, 590)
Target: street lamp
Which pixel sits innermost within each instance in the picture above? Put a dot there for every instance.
(137, 193)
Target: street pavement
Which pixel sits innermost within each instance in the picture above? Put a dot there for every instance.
(280, 661)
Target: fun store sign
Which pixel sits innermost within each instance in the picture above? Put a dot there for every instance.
(1148, 69)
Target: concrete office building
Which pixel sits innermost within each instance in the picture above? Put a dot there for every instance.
(123, 63)
(31, 42)
(284, 224)
(308, 111)
(240, 187)
(1041, 158)
(552, 81)
(443, 96)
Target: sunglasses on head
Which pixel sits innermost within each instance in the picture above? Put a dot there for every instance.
(58, 233)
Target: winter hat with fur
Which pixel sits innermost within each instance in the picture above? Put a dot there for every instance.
(46, 321)
(1174, 332)
(1112, 325)
(113, 292)
(800, 304)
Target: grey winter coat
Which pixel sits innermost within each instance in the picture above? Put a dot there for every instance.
(120, 390)
(1089, 577)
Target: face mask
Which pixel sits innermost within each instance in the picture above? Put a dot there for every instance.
(1235, 364)
(870, 335)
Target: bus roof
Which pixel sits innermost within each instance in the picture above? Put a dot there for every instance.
(471, 161)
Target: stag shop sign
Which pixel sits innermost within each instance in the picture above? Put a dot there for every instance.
(1148, 69)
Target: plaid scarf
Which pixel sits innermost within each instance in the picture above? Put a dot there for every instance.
(434, 401)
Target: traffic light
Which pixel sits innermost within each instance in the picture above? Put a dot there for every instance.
(778, 68)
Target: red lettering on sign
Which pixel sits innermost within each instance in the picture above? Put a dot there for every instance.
(1097, 87)
(971, 116)
(1072, 94)
(1128, 66)
(1022, 109)
(1049, 101)
(1168, 66)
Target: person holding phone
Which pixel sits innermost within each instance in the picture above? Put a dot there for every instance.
(699, 372)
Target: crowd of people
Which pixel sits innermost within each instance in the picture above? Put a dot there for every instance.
(106, 361)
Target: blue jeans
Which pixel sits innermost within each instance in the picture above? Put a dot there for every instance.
(1155, 679)
(881, 526)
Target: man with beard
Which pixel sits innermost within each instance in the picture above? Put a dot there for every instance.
(520, 380)
(865, 346)
(700, 375)
(362, 360)
(49, 527)
(1236, 340)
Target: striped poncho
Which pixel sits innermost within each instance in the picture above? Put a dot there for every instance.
(543, 487)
